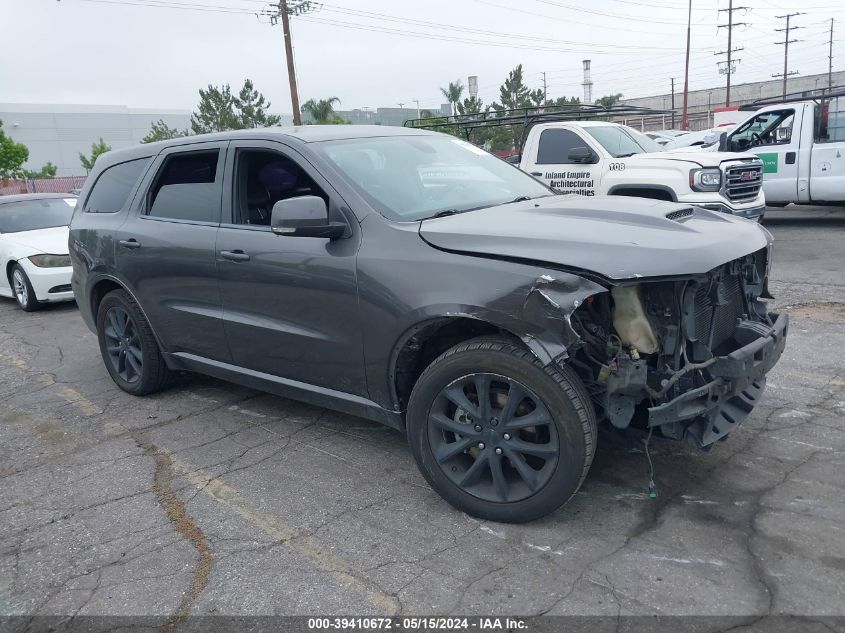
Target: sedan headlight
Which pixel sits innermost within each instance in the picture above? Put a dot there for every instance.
(709, 179)
(50, 261)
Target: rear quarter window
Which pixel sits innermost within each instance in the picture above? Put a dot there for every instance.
(111, 191)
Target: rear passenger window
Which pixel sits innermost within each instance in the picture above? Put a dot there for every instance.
(555, 146)
(187, 188)
(114, 186)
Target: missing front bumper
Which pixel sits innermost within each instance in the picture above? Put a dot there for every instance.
(708, 413)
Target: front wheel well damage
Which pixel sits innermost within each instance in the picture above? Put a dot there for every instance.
(427, 341)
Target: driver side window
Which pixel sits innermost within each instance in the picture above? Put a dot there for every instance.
(771, 128)
(262, 178)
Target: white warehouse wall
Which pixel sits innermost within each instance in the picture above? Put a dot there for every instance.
(59, 133)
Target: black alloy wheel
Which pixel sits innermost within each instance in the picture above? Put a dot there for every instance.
(493, 437)
(498, 434)
(123, 345)
(128, 346)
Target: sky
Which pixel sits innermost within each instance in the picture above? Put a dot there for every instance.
(382, 53)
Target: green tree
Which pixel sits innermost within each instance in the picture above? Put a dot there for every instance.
(215, 112)
(160, 131)
(470, 105)
(609, 100)
(322, 112)
(512, 94)
(100, 147)
(48, 171)
(12, 156)
(537, 97)
(453, 93)
(561, 102)
(252, 108)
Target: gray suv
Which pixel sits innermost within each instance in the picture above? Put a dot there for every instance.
(411, 278)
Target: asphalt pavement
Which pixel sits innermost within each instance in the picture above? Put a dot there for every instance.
(212, 499)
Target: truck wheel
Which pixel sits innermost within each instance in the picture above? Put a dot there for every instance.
(128, 347)
(498, 435)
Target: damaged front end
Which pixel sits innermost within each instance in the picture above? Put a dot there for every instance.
(687, 357)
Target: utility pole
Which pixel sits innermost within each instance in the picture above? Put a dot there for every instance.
(282, 12)
(417, 101)
(294, 91)
(786, 42)
(729, 67)
(545, 92)
(685, 117)
(830, 59)
(673, 102)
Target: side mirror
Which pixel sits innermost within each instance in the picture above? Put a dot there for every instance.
(582, 155)
(305, 216)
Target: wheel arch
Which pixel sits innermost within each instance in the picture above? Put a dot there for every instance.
(425, 341)
(106, 284)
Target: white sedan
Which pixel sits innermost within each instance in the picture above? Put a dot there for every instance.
(34, 249)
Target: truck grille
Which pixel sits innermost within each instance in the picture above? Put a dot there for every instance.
(743, 181)
(723, 319)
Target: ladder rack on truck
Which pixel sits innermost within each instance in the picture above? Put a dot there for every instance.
(818, 95)
(530, 116)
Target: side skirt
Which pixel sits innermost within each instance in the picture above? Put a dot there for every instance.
(304, 392)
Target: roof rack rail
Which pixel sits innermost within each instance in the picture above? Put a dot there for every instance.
(816, 94)
(530, 116)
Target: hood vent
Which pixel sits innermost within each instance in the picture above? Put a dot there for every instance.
(680, 214)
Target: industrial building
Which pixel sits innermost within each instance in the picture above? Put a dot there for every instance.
(701, 103)
(59, 133)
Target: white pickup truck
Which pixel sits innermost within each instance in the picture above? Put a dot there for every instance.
(596, 157)
(802, 146)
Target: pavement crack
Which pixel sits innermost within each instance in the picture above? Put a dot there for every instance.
(185, 525)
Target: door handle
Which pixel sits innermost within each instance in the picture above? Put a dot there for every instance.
(235, 256)
(130, 243)
(536, 173)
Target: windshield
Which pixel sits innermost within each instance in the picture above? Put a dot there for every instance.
(621, 140)
(417, 177)
(31, 215)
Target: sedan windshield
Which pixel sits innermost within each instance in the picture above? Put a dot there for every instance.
(31, 215)
(621, 140)
(417, 177)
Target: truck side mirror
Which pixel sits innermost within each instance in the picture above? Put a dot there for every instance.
(582, 155)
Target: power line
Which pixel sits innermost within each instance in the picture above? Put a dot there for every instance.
(786, 42)
(451, 27)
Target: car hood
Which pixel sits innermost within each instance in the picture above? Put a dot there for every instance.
(702, 156)
(51, 241)
(616, 237)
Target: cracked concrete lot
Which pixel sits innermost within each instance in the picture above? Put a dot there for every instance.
(213, 499)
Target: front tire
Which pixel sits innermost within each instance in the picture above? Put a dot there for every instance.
(22, 288)
(128, 346)
(498, 435)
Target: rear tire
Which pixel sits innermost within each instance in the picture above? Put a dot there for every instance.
(517, 458)
(128, 346)
(22, 289)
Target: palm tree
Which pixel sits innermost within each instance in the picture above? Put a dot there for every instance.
(453, 93)
(321, 111)
(609, 100)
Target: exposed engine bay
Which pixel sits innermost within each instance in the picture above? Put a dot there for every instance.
(686, 357)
